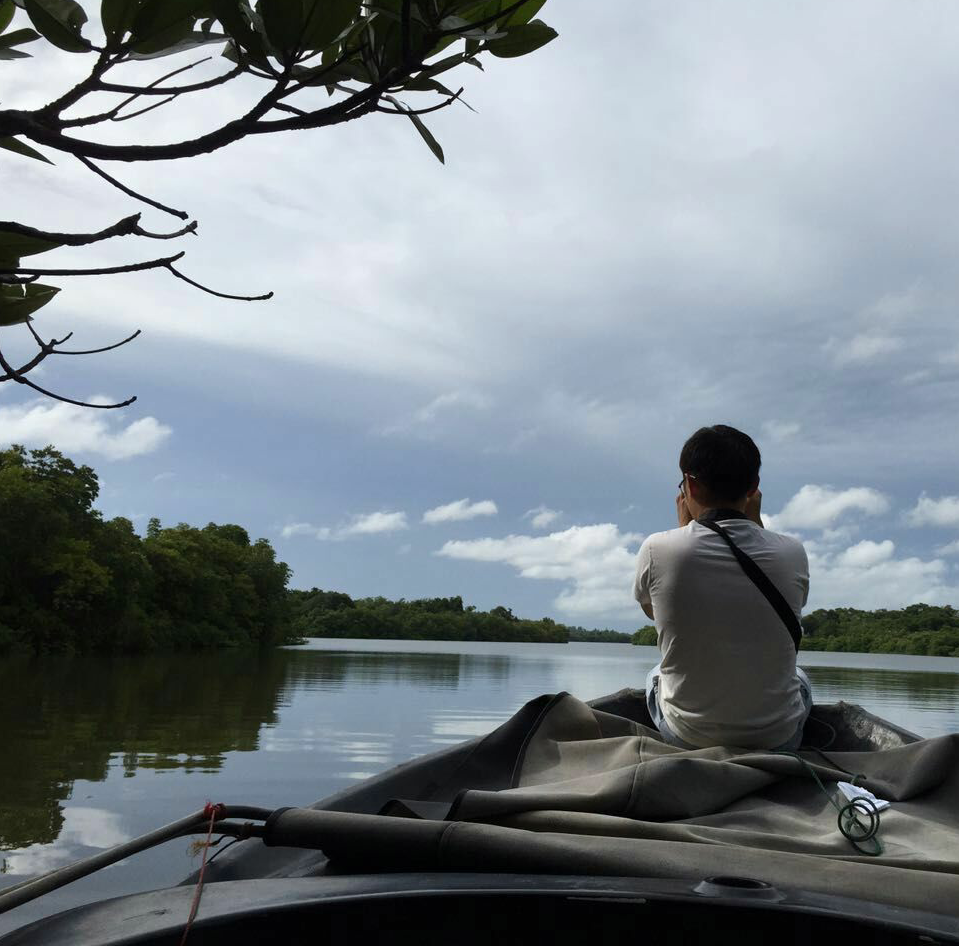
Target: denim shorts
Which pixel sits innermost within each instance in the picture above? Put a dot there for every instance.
(656, 713)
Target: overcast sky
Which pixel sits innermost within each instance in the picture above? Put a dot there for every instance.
(476, 378)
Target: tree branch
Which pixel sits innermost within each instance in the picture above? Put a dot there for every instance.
(128, 226)
(96, 351)
(81, 89)
(26, 123)
(213, 292)
(105, 271)
(69, 400)
(282, 107)
(143, 111)
(154, 89)
(182, 214)
(418, 111)
(51, 348)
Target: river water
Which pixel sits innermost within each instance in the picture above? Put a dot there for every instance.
(99, 750)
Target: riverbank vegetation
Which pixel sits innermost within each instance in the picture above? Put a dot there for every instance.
(319, 613)
(72, 581)
(922, 629)
(918, 629)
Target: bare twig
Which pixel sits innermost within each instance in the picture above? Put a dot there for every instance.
(143, 111)
(81, 89)
(282, 107)
(154, 87)
(128, 226)
(17, 374)
(213, 292)
(163, 263)
(97, 351)
(182, 214)
(418, 111)
(173, 89)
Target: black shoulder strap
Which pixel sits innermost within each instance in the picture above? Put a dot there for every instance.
(761, 581)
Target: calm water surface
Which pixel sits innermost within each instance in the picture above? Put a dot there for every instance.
(99, 750)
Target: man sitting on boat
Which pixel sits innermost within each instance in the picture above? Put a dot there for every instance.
(727, 628)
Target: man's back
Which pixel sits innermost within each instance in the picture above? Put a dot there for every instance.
(728, 674)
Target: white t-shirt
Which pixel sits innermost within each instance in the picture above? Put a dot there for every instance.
(728, 672)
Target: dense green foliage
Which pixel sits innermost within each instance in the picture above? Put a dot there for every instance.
(605, 636)
(919, 629)
(334, 614)
(72, 581)
(645, 636)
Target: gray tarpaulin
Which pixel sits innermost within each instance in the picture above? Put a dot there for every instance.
(568, 789)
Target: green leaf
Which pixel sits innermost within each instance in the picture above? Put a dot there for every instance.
(442, 65)
(522, 14)
(6, 13)
(18, 303)
(521, 40)
(424, 84)
(349, 71)
(175, 40)
(283, 22)
(325, 20)
(18, 147)
(156, 17)
(18, 37)
(14, 245)
(59, 22)
(240, 31)
(14, 54)
(425, 133)
(117, 18)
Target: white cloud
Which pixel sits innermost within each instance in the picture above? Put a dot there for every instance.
(934, 512)
(304, 528)
(862, 348)
(426, 421)
(819, 507)
(444, 402)
(73, 429)
(370, 524)
(376, 522)
(869, 576)
(780, 430)
(950, 548)
(163, 477)
(866, 554)
(460, 511)
(595, 563)
(542, 516)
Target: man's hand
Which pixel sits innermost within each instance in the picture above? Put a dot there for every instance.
(753, 505)
(682, 511)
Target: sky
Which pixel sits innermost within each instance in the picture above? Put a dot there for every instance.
(475, 378)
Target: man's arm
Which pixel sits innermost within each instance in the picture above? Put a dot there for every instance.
(641, 585)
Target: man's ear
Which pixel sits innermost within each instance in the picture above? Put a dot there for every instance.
(752, 490)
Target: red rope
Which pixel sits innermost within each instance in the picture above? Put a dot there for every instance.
(213, 812)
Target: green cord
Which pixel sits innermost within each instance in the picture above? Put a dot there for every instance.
(851, 827)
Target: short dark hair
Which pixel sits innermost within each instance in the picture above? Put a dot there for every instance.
(724, 460)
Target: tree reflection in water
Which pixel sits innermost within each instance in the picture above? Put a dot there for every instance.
(73, 718)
